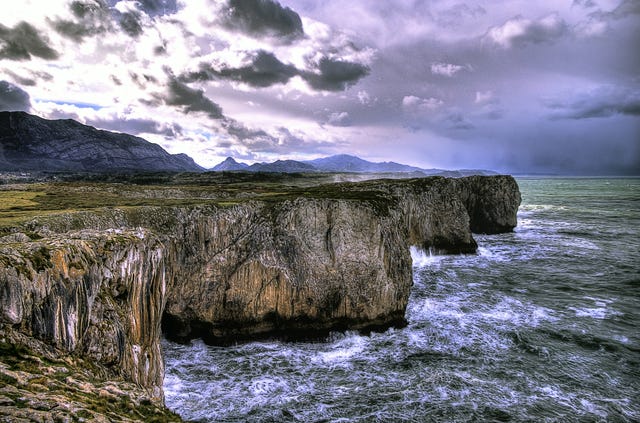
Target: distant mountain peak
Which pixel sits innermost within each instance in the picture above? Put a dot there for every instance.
(350, 163)
(229, 164)
(339, 163)
(29, 142)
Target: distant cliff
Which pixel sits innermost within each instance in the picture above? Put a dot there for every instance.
(100, 284)
(30, 143)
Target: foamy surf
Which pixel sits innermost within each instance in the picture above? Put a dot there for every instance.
(538, 326)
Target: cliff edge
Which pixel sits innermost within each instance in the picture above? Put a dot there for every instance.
(101, 284)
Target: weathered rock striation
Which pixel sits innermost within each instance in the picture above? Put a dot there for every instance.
(99, 284)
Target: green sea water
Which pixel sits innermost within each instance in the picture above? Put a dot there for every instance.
(543, 324)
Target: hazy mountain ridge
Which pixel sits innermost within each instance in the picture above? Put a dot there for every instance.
(31, 143)
(343, 163)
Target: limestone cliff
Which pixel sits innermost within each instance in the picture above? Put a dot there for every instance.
(95, 294)
(98, 283)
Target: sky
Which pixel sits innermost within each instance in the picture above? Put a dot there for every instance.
(551, 86)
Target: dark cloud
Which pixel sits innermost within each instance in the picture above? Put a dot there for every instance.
(13, 98)
(22, 80)
(141, 80)
(29, 78)
(263, 17)
(137, 126)
(456, 120)
(92, 18)
(335, 75)
(158, 7)
(600, 104)
(130, 23)
(86, 8)
(242, 133)
(22, 42)
(151, 7)
(265, 70)
(191, 100)
(624, 9)
(75, 31)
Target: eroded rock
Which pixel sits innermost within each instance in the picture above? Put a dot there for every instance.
(98, 283)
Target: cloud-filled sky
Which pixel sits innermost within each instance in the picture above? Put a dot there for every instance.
(512, 85)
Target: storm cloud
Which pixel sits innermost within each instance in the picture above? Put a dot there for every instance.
(335, 75)
(523, 88)
(22, 42)
(13, 98)
(191, 100)
(159, 7)
(601, 103)
(263, 17)
(264, 70)
(137, 126)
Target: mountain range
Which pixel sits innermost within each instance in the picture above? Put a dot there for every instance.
(31, 143)
(340, 163)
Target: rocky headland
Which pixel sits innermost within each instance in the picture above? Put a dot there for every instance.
(99, 286)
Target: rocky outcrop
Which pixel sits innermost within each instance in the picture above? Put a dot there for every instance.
(30, 143)
(298, 268)
(94, 294)
(491, 206)
(331, 257)
(39, 383)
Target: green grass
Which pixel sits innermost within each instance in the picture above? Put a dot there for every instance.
(72, 193)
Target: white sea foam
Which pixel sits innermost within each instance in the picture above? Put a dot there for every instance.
(341, 353)
(600, 310)
(423, 258)
(485, 336)
(599, 313)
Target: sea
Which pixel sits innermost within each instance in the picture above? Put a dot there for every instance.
(541, 325)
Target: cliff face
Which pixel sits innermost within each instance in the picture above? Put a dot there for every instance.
(336, 259)
(95, 294)
(301, 266)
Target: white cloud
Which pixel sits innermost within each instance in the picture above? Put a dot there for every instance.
(484, 97)
(339, 119)
(364, 97)
(520, 31)
(447, 69)
(413, 104)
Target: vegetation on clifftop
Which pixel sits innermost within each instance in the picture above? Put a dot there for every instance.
(69, 193)
(40, 384)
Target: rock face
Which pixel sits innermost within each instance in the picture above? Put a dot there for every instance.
(28, 142)
(98, 285)
(93, 294)
(304, 266)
